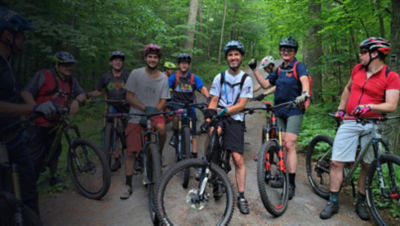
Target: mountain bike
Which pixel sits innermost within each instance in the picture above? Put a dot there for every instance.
(150, 157)
(183, 140)
(382, 185)
(207, 200)
(272, 176)
(12, 210)
(86, 162)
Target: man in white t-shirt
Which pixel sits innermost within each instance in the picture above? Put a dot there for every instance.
(147, 91)
(232, 95)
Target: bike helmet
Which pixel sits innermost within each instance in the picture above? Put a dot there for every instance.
(266, 61)
(152, 48)
(376, 43)
(234, 45)
(13, 21)
(183, 57)
(64, 57)
(289, 42)
(169, 65)
(117, 54)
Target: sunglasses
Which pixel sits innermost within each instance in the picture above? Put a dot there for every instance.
(286, 49)
(364, 51)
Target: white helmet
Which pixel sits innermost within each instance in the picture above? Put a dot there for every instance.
(266, 61)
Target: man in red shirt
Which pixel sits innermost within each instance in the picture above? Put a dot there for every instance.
(372, 91)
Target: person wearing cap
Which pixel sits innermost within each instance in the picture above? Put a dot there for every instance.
(113, 84)
(12, 37)
(146, 92)
(169, 68)
(57, 85)
(373, 90)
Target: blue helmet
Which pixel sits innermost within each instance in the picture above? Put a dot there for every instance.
(234, 45)
(64, 57)
(13, 21)
(184, 57)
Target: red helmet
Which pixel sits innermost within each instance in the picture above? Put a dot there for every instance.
(152, 48)
(374, 43)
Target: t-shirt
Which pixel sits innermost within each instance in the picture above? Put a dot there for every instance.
(114, 87)
(147, 90)
(287, 87)
(8, 90)
(183, 92)
(371, 90)
(228, 93)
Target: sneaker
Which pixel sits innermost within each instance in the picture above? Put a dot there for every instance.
(330, 209)
(126, 192)
(291, 191)
(243, 206)
(116, 165)
(361, 210)
(198, 173)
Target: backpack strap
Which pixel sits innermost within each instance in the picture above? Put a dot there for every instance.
(294, 69)
(222, 82)
(176, 79)
(241, 86)
(387, 71)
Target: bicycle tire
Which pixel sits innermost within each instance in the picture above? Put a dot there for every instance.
(380, 206)
(175, 204)
(274, 199)
(154, 174)
(108, 141)
(29, 217)
(93, 178)
(318, 162)
(186, 153)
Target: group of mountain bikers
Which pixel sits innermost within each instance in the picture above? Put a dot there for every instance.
(372, 90)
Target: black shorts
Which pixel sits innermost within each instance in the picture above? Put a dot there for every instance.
(39, 140)
(233, 135)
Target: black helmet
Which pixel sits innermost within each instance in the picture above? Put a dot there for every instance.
(234, 45)
(376, 43)
(64, 57)
(289, 42)
(117, 54)
(183, 57)
(13, 21)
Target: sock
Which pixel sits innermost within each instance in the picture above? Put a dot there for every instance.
(241, 195)
(334, 197)
(129, 181)
(292, 177)
(194, 155)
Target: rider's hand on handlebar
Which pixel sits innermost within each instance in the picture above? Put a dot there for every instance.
(361, 110)
(340, 114)
(46, 108)
(222, 112)
(302, 98)
(252, 63)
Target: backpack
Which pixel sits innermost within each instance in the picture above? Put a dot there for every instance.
(47, 73)
(241, 83)
(294, 71)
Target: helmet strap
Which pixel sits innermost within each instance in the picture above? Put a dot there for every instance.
(370, 60)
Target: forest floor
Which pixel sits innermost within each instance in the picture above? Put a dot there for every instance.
(70, 208)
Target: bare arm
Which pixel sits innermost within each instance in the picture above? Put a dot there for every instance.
(390, 104)
(234, 109)
(345, 96)
(160, 106)
(264, 83)
(11, 109)
(204, 91)
(270, 90)
(305, 84)
(133, 101)
(28, 97)
(94, 93)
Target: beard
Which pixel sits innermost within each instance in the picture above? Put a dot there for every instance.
(235, 67)
(151, 67)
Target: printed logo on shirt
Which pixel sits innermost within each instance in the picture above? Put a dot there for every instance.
(115, 85)
(184, 88)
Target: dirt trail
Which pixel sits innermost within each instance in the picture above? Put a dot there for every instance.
(70, 208)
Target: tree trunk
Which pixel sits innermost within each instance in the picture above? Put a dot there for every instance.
(194, 5)
(380, 18)
(314, 50)
(222, 34)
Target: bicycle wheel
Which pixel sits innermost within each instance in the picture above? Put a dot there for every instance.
(274, 198)
(186, 152)
(318, 163)
(108, 141)
(176, 205)
(154, 174)
(88, 166)
(384, 202)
